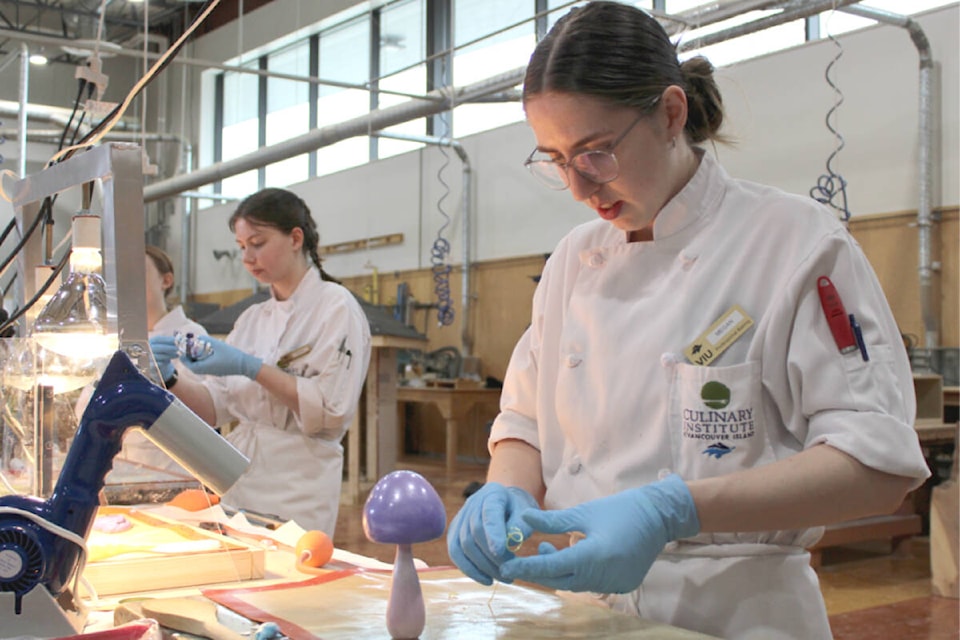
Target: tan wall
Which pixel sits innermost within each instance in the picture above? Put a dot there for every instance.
(890, 242)
(500, 308)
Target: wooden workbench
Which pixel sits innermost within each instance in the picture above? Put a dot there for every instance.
(454, 404)
(378, 423)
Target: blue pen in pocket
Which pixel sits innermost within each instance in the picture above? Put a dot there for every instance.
(858, 334)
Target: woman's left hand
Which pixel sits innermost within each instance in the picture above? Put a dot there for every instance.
(224, 361)
(625, 533)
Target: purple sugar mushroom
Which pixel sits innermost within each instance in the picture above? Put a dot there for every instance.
(403, 509)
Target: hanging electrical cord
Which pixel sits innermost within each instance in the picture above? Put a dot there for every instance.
(440, 251)
(831, 186)
(83, 84)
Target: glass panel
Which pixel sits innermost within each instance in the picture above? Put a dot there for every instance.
(402, 44)
(240, 134)
(344, 57)
(288, 111)
(238, 140)
(488, 57)
(240, 95)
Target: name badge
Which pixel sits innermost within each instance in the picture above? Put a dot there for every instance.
(719, 336)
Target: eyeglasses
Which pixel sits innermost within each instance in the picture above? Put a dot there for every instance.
(596, 165)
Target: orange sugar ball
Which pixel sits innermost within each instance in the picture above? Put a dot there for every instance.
(194, 500)
(314, 549)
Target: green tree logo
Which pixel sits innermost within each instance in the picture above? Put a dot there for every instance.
(715, 395)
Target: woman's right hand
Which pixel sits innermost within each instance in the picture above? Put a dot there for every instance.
(477, 538)
(164, 350)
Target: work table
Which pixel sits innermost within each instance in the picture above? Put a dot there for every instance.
(348, 599)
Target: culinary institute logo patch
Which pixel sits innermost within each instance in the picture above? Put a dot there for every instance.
(718, 420)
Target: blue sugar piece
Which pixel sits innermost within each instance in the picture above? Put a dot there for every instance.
(267, 631)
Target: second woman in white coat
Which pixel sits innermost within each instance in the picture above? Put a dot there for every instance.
(290, 372)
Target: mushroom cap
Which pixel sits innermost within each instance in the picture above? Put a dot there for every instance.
(403, 508)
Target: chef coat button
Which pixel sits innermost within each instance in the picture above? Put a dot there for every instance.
(575, 466)
(686, 261)
(663, 473)
(573, 360)
(596, 260)
(668, 359)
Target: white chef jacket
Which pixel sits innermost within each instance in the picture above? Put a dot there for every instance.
(296, 461)
(599, 383)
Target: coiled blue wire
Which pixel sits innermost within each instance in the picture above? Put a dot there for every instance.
(831, 185)
(440, 250)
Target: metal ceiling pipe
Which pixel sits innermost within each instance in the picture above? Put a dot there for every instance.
(22, 116)
(714, 12)
(441, 100)
(53, 115)
(929, 97)
(466, 340)
(795, 10)
(53, 135)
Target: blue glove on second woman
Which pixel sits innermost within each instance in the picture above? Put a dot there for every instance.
(477, 538)
(624, 533)
(224, 360)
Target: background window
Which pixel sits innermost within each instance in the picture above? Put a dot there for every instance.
(502, 52)
(344, 57)
(288, 111)
(241, 127)
(402, 47)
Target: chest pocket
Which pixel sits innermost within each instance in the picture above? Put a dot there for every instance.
(716, 419)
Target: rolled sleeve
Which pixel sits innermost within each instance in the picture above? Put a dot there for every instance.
(517, 419)
(865, 408)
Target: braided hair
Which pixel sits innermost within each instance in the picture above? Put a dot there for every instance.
(285, 211)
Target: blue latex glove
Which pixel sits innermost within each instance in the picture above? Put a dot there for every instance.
(477, 535)
(224, 361)
(624, 532)
(164, 352)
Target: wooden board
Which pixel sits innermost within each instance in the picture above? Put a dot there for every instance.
(159, 553)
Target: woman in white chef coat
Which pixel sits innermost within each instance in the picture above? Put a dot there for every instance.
(290, 372)
(679, 403)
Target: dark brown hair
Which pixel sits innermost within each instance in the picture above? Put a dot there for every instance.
(285, 211)
(620, 54)
(162, 262)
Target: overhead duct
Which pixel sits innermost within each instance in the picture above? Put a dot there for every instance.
(925, 221)
(796, 10)
(436, 102)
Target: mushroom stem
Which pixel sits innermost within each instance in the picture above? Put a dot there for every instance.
(405, 610)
